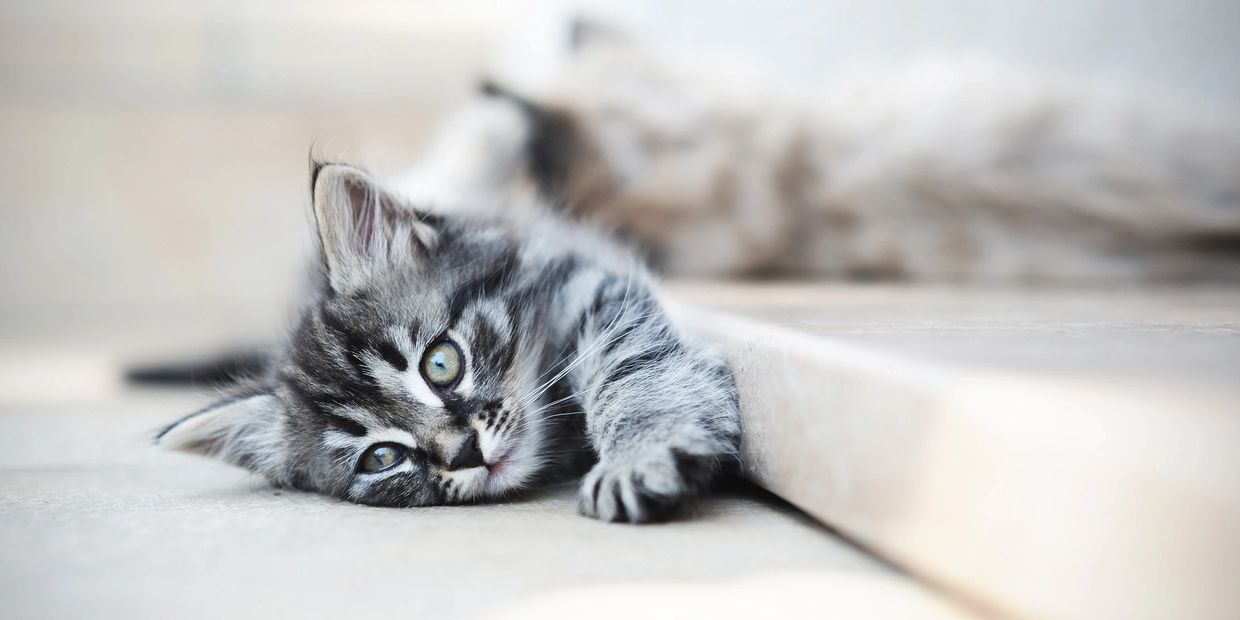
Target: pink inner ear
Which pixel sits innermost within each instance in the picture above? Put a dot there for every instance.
(362, 215)
(373, 216)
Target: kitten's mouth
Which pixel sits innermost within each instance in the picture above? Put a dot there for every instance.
(497, 467)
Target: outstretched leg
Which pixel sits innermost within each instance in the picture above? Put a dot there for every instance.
(661, 412)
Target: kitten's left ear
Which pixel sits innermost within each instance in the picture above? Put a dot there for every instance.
(245, 430)
(363, 228)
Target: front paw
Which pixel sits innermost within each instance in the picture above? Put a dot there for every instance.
(651, 486)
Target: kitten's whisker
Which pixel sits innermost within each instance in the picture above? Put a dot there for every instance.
(553, 403)
(594, 347)
(561, 415)
(604, 333)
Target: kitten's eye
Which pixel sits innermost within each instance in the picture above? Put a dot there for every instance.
(380, 457)
(441, 364)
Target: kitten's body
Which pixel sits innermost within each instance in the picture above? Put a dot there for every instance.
(959, 172)
(565, 358)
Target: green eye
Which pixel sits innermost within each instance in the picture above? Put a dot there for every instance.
(441, 365)
(380, 457)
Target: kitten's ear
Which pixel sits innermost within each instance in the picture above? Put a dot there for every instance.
(245, 430)
(362, 227)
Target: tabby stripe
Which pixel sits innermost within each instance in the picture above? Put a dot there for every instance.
(345, 424)
(594, 311)
(615, 340)
(486, 339)
(485, 286)
(558, 273)
(321, 404)
(362, 392)
(633, 364)
(392, 355)
(354, 344)
(600, 294)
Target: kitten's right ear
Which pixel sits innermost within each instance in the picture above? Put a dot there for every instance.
(245, 430)
(363, 228)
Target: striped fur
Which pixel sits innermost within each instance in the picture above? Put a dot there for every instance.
(568, 360)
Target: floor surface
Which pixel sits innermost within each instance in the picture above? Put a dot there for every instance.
(95, 522)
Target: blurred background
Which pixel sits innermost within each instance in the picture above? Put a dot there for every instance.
(154, 154)
(154, 205)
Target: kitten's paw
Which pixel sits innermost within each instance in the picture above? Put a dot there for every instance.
(653, 486)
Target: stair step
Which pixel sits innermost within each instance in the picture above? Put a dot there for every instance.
(1059, 454)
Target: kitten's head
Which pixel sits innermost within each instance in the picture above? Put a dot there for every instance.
(412, 377)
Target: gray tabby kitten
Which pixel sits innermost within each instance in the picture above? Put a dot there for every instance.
(456, 359)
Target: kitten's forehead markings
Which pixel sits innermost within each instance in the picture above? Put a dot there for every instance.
(402, 338)
(359, 415)
(392, 435)
(401, 383)
(333, 438)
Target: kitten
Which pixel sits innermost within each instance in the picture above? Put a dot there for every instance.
(944, 172)
(449, 359)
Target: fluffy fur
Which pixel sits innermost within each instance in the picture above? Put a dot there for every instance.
(956, 172)
(568, 361)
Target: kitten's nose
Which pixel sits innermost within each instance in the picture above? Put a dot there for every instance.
(467, 454)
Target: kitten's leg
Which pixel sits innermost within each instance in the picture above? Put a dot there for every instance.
(662, 414)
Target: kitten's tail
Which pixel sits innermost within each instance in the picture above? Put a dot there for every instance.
(224, 369)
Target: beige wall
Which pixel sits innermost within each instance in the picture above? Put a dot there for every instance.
(153, 155)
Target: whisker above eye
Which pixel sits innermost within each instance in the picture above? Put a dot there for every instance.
(562, 415)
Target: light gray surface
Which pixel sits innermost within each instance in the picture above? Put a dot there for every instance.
(1181, 334)
(94, 522)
